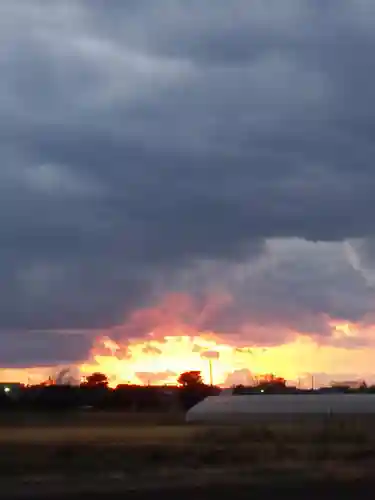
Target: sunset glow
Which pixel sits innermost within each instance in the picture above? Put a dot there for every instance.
(141, 362)
(170, 341)
(161, 361)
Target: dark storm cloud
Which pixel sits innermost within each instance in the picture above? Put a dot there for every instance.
(137, 138)
(22, 349)
(295, 286)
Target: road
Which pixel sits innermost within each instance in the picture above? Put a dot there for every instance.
(308, 491)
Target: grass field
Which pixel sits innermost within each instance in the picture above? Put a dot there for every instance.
(144, 445)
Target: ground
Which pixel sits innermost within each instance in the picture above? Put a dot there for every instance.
(113, 451)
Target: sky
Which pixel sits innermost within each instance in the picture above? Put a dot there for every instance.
(221, 151)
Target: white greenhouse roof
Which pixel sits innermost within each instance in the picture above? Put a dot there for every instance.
(230, 407)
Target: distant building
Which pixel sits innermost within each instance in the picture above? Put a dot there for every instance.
(350, 384)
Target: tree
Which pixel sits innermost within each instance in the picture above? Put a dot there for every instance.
(190, 379)
(271, 384)
(192, 389)
(271, 379)
(96, 379)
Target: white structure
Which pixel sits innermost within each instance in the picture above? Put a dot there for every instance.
(239, 408)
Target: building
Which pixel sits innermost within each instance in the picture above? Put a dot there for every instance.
(350, 384)
(232, 408)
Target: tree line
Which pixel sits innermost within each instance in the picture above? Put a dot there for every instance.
(94, 393)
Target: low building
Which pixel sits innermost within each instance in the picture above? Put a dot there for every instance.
(236, 409)
(350, 384)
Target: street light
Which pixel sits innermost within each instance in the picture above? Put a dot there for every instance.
(210, 355)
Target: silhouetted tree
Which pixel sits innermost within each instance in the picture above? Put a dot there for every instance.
(55, 398)
(192, 388)
(363, 387)
(190, 379)
(271, 384)
(271, 379)
(96, 379)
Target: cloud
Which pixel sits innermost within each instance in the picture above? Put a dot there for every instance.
(43, 348)
(294, 287)
(140, 142)
(361, 254)
(155, 378)
(151, 350)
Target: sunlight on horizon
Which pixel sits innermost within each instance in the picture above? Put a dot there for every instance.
(149, 361)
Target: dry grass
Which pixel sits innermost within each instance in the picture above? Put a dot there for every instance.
(90, 444)
(95, 435)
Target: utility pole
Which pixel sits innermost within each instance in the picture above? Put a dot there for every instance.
(211, 374)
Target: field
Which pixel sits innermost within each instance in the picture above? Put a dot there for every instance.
(148, 448)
